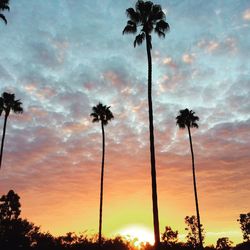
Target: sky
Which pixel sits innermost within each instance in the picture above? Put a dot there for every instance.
(62, 57)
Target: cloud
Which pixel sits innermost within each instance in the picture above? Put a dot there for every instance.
(246, 15)
(187, 58)
(169, 61)
(210, 46)
(228, 45)
(70, 57)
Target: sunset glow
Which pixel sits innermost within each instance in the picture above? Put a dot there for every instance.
(62, 57)
(138, 234)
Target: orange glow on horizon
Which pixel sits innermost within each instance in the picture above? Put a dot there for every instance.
(137, 234)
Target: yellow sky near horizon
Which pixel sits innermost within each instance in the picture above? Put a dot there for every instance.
(80, 212)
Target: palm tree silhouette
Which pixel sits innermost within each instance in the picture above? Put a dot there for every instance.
(148, 17)
(103, 114)
(4, 5)
(7, 104)
(186, 118)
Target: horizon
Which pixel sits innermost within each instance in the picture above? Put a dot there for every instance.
(61, 58)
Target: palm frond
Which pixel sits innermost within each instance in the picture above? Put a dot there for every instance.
(130, 28)
(193, 120)
(3, 18)
(180, 124)
(7, 96)
(95, 120)
(131, 23)
(8, 103)
(195, 125)
(95, 117)
(147, 9)
(17, 107)
(4, 5)
(156, 9)
(133, 15)
(157, 13)
(139, 39)
(101, 113)
(148, 15)
(159, 32)
(139, 7)
(162, 26)
(109, 114)
(187, 119)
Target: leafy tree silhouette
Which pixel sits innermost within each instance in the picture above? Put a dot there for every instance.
(4, 5)
(245, 226)
(194, 231)
(186, 118)
(243, 246)
(10, 206)
(45, 241)
(15, 233)
(7, 104)
(148, 17)
(169, 236)
(103, 114)
(224, 244)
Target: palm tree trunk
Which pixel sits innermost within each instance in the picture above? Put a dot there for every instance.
(3, 136)
(152, 148)
(101, 191)
(195, 190)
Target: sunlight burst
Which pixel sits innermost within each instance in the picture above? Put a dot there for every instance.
(137, 234)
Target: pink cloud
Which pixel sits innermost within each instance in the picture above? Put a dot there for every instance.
(169, 61)
(246, 15)
(209, 46)
(114, 78)
(188, 58)
(228, 45)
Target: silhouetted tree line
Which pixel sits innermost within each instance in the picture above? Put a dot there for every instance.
(17, 233)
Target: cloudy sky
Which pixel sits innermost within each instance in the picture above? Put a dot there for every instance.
(62, 57)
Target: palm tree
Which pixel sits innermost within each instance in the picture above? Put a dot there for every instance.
(4, 5)
(7, 104)
(186, 118)
(148, 17)
(103, 114)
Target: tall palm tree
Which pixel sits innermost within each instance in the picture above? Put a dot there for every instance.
(148, 17)
(7, 104)
(4, 5)
(187, 119)
(103, 114)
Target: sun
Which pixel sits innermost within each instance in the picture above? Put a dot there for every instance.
(137, 234)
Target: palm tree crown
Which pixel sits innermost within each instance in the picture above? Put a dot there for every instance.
(4, 5)
(187, 119)
(8, 103)
(101, 113)
(149, 17)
